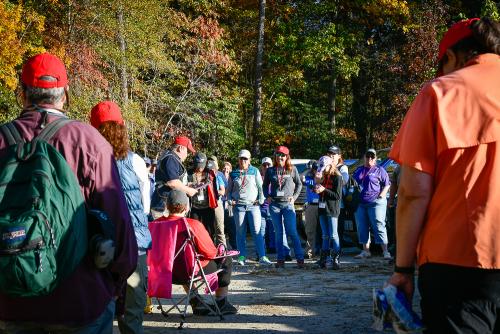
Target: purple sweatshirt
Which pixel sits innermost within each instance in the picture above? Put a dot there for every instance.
(83, 296)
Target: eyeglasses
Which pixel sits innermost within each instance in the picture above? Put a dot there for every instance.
(370, 156)
(280, 155)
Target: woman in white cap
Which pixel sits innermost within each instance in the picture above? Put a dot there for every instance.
(245, 194)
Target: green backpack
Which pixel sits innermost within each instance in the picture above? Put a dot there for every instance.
(43, 221)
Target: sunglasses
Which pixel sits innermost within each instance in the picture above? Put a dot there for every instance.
(244, 159)
(280, 155)
(370, 156)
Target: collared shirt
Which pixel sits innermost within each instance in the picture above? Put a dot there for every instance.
(452, 132)
(84, 295)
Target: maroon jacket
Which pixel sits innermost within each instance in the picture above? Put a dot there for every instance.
(82, 297)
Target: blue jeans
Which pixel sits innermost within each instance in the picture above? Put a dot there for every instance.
(103, 324)
(283, 216)
(252, 213)
(372, 215)
(329, 233)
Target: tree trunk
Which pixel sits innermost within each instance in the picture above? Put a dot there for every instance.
(359, 112)
(123, 65)
(257, 104)
(332, 95)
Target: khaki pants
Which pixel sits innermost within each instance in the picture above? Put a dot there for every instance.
(311, 224)
(220, 237)
(135, 300)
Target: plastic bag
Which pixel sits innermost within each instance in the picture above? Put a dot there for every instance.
(391, 309)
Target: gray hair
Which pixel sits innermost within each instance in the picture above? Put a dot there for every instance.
(36, 95)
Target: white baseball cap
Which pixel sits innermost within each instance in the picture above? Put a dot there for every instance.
(244, 154)
(267, 160)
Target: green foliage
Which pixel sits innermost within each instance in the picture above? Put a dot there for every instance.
(491, 9)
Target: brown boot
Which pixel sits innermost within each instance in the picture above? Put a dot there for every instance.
(280, 264)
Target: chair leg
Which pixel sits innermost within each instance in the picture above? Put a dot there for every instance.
(219, 313)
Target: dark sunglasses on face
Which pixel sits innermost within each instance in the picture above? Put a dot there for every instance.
(280, 155)
(244, 159)
(370, 156)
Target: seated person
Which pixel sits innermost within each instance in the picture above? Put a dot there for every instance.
(178, 206)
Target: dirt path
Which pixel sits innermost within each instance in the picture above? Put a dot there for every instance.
(292, 300)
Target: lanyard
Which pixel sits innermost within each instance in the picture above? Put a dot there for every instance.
(243, 182)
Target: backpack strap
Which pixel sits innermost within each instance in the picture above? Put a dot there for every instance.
(50, 129)
(10, 132)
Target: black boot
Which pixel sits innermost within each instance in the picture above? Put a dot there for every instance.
(322, 258)
(336, 260)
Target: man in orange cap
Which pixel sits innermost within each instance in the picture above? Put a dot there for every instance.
(448, 200)
(171, 174)
(84, 302)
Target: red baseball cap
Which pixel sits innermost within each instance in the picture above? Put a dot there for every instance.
(44, 65)
(282, 149)
(185, 141)
(455, 34)
(105, 111)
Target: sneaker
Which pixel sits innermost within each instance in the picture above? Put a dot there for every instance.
(241, 261)
(387, 255)
(363, 255)
(265, 261)
(226, 307)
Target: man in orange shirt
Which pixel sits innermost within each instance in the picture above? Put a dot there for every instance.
(448, 200)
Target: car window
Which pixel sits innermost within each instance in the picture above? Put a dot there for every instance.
(301, 167)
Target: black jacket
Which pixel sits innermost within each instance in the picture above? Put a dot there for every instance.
(332, 197)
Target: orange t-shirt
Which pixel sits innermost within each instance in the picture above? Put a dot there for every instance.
(452, 132)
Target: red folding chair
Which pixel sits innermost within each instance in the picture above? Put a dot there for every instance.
(174, 259)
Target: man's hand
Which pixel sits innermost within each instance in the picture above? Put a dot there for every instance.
(405, 283)
(268, 200)
(191, 192)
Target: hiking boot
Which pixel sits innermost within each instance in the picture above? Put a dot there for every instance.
(329, 263)
(241, 261)
(280, 264)
(300, 264)
(198, 307)
(149, 306)
(363, 255)
(265, 261)
(226, 307)
(336, 261)
(387, 255)
(322, 259)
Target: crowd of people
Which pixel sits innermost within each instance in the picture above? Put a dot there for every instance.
(447, 200)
